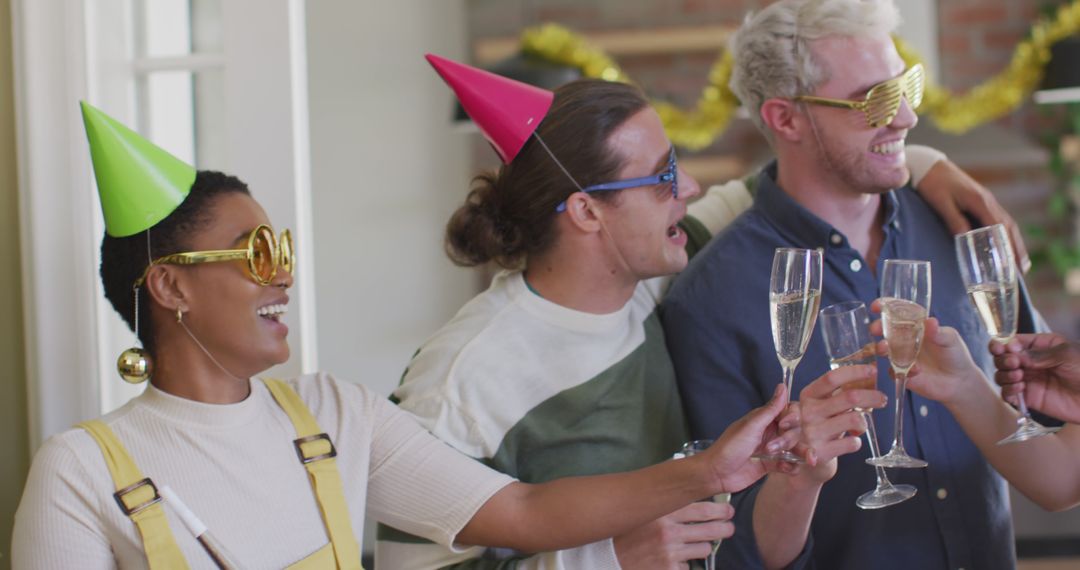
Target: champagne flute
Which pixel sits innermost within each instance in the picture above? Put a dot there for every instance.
(693, 448)
(905, 304)
(847, 340)
(989, 273)
(794, 296)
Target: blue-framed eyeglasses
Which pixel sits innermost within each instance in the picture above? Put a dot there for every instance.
(668, 175)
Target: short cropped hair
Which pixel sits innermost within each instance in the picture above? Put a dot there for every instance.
(772, 53)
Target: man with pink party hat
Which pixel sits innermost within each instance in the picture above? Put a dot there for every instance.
(560, 368)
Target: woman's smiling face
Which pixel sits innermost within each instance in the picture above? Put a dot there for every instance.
(236, 319)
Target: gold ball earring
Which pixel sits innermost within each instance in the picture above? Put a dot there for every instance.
(134, 365)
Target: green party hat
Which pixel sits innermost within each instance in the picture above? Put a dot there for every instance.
(138, 182)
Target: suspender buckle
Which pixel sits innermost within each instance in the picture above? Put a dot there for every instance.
(303, 456)
(129, 511)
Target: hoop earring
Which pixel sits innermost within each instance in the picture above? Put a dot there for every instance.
(179, 315)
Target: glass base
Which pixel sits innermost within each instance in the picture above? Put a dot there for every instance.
(781, 456)
(885, 496)
(1028, 429)
(897, 458)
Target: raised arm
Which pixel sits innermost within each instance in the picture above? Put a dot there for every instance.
(956, 196)
(577, 510)
(1045, 469)
(1046, 368)
(784, 508)
(667, 542)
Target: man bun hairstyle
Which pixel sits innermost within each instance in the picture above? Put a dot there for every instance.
(510, 214)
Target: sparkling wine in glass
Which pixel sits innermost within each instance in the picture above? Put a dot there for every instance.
(848, 342)
(905, 304)
(794, 296)
(989, 273)
(693, 448)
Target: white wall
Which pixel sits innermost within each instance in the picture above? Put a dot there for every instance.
(386, 173)
(920, 30)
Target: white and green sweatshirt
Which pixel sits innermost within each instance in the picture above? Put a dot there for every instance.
(539, 391)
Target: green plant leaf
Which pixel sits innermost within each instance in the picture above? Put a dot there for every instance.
(1059, 257)
(1057, 206)
(1073, 110)
(1057, 163)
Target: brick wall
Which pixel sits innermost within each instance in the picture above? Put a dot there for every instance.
(976, 37)
(976, 40)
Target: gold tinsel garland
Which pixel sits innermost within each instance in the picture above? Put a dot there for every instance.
(696, 129)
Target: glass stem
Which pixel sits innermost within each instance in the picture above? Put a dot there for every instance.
(789, 377)
(898, 421)
(871, 440)
(1023, 406)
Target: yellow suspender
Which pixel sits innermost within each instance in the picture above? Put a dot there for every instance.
(317, 453)
(138, 498)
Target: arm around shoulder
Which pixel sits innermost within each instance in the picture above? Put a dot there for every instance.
(721, 204)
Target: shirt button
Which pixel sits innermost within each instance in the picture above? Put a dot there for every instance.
(923, 410)
(836, 239)
(942, 493)
(856, 265)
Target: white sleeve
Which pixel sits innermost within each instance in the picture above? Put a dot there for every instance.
(428, 556)
(438, 490)
(58, 524)
(419, 484)
(721, 204)
(920, 159)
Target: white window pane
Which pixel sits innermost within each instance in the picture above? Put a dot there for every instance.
(210, 144)
(169, 111)
(178, 27)
(206, 22)
(166, 29)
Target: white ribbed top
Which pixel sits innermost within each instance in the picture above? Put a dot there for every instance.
(236, 468)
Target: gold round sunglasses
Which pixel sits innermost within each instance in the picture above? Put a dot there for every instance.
(882, 101)
(264, 255)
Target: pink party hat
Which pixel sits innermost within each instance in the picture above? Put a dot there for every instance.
(506, 111)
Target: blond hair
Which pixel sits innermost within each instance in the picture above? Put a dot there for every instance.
(772, 53)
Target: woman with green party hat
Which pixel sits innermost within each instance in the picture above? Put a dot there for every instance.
(279, 473)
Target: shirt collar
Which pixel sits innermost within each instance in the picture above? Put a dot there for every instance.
(800, 225)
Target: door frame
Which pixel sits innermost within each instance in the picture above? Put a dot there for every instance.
(60, 58)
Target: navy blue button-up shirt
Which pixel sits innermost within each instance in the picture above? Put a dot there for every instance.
(716, 318)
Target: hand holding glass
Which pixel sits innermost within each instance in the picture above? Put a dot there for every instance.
(794, 295)
(905, 304)
(848, 342)
(989, 272)
(693, 448)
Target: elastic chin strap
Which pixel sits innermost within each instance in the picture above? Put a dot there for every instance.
(149, 260)
(208, 355)
(817, 138)
(557, 163)
(614, 246)
(603, 228)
